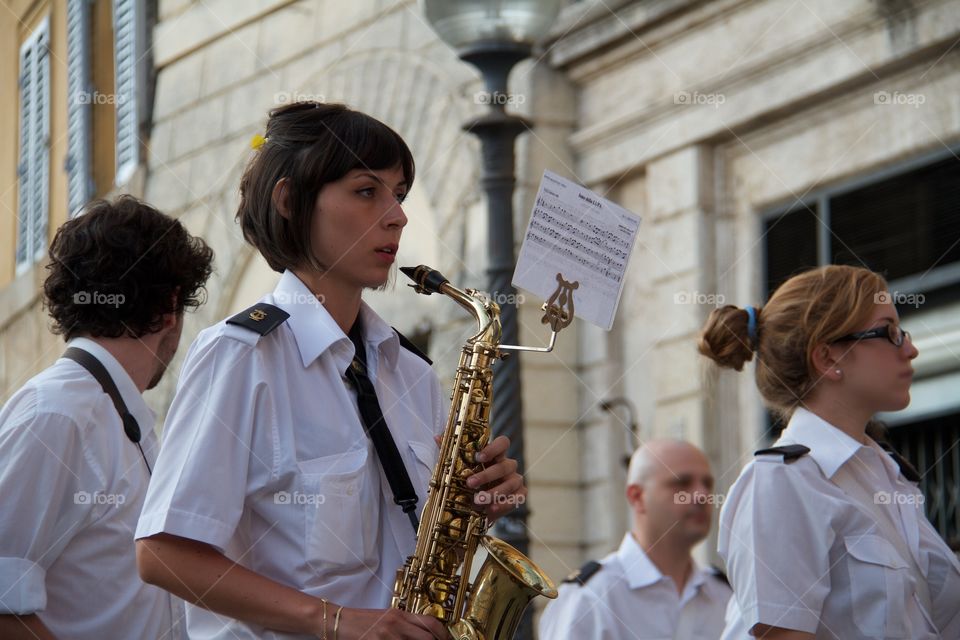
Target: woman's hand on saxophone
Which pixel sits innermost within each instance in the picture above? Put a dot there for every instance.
(389, 624)
(500, 489)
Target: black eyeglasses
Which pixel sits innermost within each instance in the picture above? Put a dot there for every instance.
(891, 332)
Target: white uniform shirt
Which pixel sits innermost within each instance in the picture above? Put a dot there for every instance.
(803, 555)
(629, 599)
(264, 456)
(71, 488)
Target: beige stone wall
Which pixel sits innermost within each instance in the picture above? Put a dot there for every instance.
(26, 344)
(700, 117)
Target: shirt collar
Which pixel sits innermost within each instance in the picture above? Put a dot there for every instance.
(698, 577)
(829, 447)
(378, 334)
(315, 330)
(641, 572)
(132, 397)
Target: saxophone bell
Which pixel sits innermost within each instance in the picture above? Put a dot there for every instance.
(506, 583)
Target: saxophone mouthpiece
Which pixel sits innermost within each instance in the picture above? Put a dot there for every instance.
(427, 280)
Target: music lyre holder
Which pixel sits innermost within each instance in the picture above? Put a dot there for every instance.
(558, 313)
(558, 309)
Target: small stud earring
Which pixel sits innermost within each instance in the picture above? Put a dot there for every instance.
(839, 373)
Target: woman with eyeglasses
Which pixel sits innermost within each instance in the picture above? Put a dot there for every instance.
(824, 535)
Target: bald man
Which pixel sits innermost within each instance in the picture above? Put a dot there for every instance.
(650, 588)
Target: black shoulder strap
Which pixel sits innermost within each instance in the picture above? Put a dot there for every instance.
(376, 428)
(130, 427)
(409, 346)
(584, 573)
(908, 470)
(261, 318)
(790, 452)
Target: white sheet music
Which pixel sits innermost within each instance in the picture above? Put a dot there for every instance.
(586, 238)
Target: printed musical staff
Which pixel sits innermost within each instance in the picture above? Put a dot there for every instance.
(585, 237)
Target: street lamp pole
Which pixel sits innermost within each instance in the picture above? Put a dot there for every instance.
(497, 131)
(493, 36)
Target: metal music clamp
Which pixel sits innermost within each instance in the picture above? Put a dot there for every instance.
(558, 313)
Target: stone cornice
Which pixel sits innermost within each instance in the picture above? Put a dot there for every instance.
(586, 30)
(849, 57)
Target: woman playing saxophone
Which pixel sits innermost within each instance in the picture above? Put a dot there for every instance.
(269, 512)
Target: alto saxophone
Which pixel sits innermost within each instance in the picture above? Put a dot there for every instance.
(435, 580)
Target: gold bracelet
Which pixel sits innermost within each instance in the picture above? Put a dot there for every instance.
(324, 618)
(336, 623)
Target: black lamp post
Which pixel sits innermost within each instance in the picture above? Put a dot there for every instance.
(494, 35)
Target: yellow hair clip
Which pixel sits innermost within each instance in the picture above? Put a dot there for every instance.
(257, 141)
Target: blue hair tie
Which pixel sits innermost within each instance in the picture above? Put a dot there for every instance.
(752, 326)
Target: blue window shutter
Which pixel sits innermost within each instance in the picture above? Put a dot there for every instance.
(127, 45)
(34, 158)
(79, 165)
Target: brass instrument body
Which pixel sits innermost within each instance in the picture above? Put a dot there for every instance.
(435, 579)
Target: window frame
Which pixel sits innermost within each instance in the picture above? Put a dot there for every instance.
(935, 278)
(33, 200)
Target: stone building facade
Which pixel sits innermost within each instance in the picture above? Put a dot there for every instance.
(712, 120)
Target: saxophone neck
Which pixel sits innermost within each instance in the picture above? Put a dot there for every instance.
(485, 311)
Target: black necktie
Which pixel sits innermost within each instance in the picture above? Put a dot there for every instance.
(376, 428)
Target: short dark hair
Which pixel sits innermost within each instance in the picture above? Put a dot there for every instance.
(119, 266)
(310, 144)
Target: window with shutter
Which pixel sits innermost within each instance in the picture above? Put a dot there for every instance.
(126, 47)
(902, 223)
(79, 165)
(34, 158)
(790, 244)
(907, 225)
(931, 445)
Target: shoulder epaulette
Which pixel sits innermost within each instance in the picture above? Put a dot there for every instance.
(261, 318)
(584, 573)
(719, 575)
(412, 348)
(908, 470)
(790, 452)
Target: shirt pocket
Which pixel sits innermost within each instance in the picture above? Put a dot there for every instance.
(879, 586)
(341, 511)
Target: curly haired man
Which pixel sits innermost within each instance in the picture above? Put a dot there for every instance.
(77, 441)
